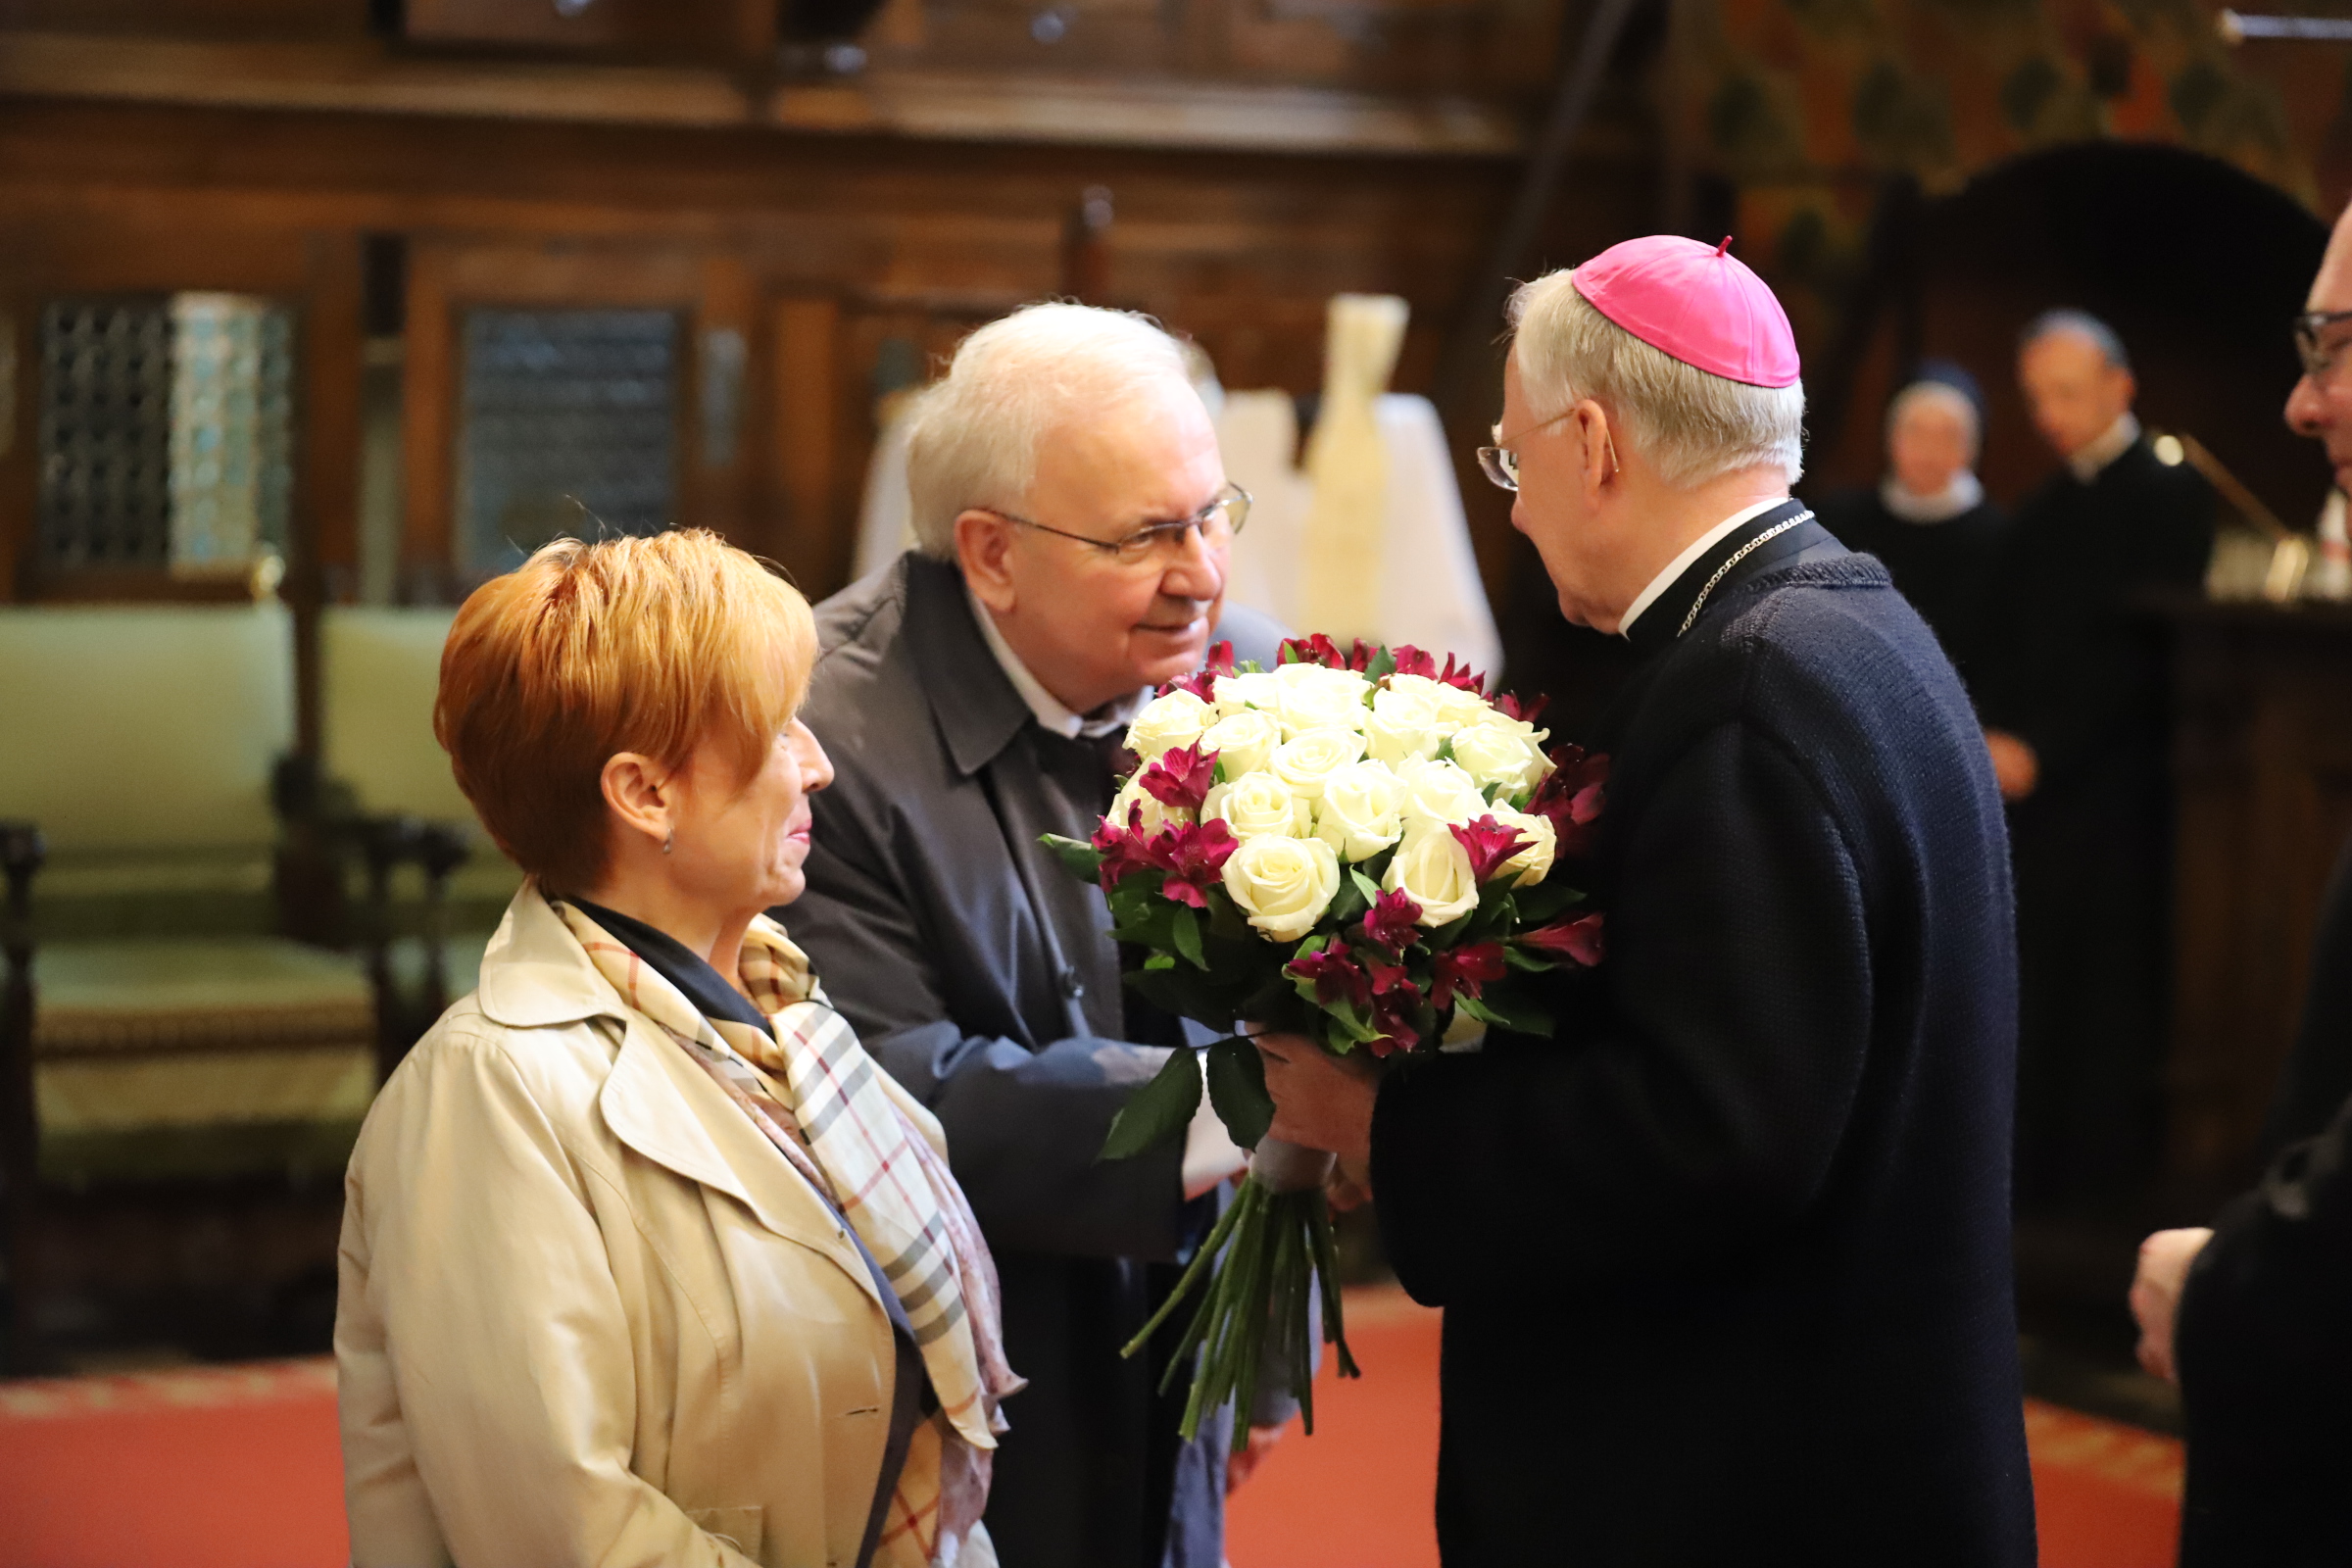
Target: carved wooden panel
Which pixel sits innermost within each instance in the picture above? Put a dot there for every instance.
(2264, 768)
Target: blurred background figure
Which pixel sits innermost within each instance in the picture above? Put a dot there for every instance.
(2072, 692)
(1930, 519)
(2248, 1317)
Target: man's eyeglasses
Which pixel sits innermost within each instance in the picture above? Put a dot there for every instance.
(1160, 544)
(2319, 357)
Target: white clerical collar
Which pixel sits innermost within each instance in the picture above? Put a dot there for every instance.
(1964, 494)
(1684, 561)
(2092, 457)
(1047, 709)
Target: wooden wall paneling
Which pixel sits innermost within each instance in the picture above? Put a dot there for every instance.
(20, 425)
(815, 542)
(446, 275)
(725, 404)
(429, 427)
(194, 19)
(2263, 765)
(155, 247)
(717, 30)
(322, 554)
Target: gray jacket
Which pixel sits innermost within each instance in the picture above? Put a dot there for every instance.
(979, 972)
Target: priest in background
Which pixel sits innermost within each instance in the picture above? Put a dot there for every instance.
(1929, 519)
(1725, 1263)
(2071, 689)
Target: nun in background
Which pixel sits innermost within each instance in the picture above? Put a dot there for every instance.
(1929, 519)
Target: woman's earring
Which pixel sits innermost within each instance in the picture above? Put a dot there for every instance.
(671, 842)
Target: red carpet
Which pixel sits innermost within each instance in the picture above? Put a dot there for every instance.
(237, 1467)
(1359, 1494)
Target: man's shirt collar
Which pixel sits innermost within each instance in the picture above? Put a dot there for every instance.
(2091, 460)
(1044, 706)
(1688, 557)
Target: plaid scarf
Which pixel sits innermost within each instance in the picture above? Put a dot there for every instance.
(813, 1092)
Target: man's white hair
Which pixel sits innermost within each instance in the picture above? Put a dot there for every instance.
(1690, 425)
(1011, 385)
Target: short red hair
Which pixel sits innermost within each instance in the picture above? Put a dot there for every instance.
(655, 646)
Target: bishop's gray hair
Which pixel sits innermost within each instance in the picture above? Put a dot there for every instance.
(1013, 384)
(1691, 427)
(2049, 324)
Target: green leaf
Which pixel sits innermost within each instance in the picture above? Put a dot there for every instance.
(1445, 749)
(1217, 773)
(1248, 666)
(1520, 959)
(1237, 1088)
(1184, 926)
(1471, 1006)
(1491, 790)
(1226, 921)
(1345, 905)
(1382, 665)
(1364, 885)
(1081, 859)
(1159, 1109)
(1285, 655)
(1546, 902)
(1505, 1007)
(1160, 961)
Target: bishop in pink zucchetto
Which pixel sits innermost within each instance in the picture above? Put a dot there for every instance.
(1697, 301)
(1746, 1183)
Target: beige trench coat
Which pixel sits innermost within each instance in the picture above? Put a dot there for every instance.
(588, 1314)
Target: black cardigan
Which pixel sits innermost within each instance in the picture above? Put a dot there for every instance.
(1725, 1265)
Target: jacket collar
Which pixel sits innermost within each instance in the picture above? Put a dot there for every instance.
(656, 1101)
(1662, 622)
(975, 705)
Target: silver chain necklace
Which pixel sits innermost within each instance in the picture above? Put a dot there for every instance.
(1738, 556)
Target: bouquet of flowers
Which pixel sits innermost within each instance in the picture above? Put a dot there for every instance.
(1356, 847)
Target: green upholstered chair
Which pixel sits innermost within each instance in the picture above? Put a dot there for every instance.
(379, 668)
(162, 1020)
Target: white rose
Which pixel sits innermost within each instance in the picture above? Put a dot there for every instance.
(1433, 869)
(1307, 761)
(1256, 803)
(1284, 884)
(1404, 723)
(1244, 742)
(1438, 793)
(1361, 810)
(1454, 707)
(1157, 814)
(1533, 864)
(1255, 689)
(1167, 722)
(1315, 697)
(1501, 750)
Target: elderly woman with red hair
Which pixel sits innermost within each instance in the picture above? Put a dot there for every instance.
(643, 1262)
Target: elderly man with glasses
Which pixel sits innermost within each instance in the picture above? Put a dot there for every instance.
(1074, 520)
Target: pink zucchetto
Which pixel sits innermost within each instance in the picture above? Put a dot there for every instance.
(1697, 301)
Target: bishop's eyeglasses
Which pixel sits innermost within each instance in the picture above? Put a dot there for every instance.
(2314, 346)
(1160, 544)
